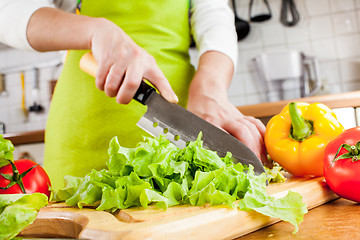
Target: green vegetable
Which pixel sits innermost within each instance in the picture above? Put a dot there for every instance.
(6, 151)
(156, 171)
(18, 211)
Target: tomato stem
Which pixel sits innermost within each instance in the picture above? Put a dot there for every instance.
(301, 128)
(352, 152)
(16, 178)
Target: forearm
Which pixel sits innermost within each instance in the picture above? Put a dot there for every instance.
(213, 77)
(51, 29)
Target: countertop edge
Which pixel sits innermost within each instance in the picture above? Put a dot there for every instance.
(19, 138)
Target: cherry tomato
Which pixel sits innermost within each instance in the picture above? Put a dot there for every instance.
(13, 176)
(342, 165)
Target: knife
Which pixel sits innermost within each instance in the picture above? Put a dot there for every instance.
(180, 125)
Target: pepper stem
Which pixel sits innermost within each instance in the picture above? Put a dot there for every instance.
(301, 128)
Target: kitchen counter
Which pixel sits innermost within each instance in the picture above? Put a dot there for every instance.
(335, 220)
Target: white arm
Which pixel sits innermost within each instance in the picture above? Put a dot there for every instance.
(15, 15)
(212, 25)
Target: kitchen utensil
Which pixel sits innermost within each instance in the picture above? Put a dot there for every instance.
(178, 222)
(2, 128)
(179, 125)
(276, 69)
(260, 17)
(2, 83)
(23, 104)
(242, 26)
(36, 107)
(288, 6)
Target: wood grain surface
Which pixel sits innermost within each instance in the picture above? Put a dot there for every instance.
(179, 222)
(335, 220)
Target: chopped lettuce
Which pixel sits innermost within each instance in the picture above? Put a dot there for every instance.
(6, 151)
(18, 211)
(157, 171)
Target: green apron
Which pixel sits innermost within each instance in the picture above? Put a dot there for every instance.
(82, 120)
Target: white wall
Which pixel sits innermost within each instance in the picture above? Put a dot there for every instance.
(328, 29)
(12, 62)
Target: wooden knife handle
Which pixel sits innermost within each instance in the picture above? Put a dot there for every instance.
(89, 65)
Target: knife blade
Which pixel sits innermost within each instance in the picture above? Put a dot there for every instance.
(180, 125)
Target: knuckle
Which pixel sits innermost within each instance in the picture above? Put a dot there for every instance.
(132, 85)
(122, 100)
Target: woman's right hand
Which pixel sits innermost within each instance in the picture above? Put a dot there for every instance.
(122, 64)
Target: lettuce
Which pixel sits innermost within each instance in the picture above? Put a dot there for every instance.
(157, 171)
(18, 211)
(6, 151)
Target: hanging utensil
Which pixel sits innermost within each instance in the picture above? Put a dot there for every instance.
(242, 26)
(23, 105)
(289, 7)
(36, 107)
(260, 17)
(3, 92)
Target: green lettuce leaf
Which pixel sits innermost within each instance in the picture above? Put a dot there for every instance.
(289, 208)
(6, 151)
(156, 171)
(18, 211)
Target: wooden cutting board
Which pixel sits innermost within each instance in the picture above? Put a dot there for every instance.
(179, 222)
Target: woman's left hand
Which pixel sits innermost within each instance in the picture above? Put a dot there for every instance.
(208, 99)
(226, 116)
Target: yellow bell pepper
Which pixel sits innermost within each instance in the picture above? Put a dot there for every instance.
(296, 138)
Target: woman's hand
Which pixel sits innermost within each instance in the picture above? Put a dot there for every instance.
(122, 63)
(208, 99)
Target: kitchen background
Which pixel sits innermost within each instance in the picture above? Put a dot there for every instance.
(328, 30)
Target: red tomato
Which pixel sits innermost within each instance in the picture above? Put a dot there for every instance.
(36, 180)
(343, 175)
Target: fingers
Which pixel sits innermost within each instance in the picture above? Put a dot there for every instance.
(259, 125)
(156, 77)
(247, 133)
(131, 83)
(123, 81)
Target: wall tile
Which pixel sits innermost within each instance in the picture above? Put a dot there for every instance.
(236, 87)
(255, 98)
(253, 40)
(342, 5)
(238, 100)
(330, 72)
(349, 70)
(251, 83)
(352, 86)
(318, 7)
(336, 88)
(348, 46)
(245, 59)
(273, 35)
(320, 27)
(303, 47)
(299, 33)
(345, 23)
(324, 49)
